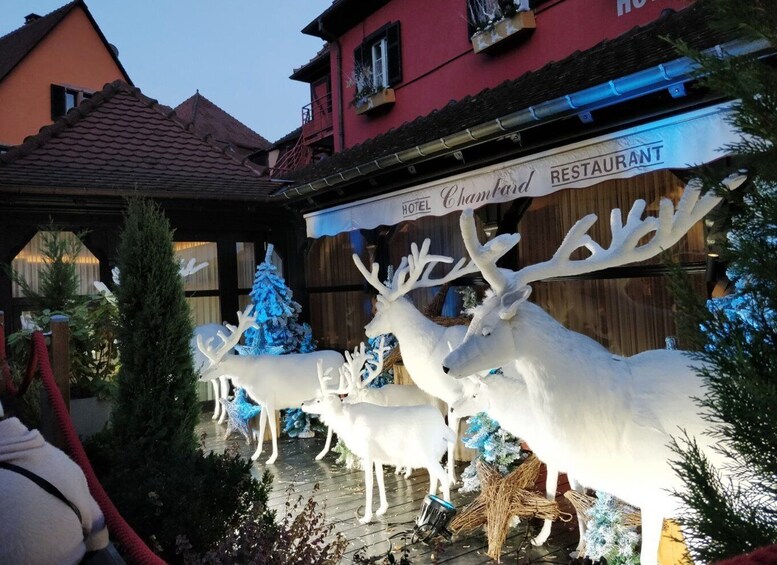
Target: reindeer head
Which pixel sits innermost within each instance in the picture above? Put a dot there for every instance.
(215, 355)
(414, 272)
(473, 399)
(490, 341)
(329, 401)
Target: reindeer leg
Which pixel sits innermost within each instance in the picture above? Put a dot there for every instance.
(217, 407)
(551, 484)
(260, 439)
(324, 451)
(438, 474)
(273, 433)
(580, 522)
(224, 394)
(453, 422)
(381, 489)
(367, 518)
(408, 472)
(652, 526)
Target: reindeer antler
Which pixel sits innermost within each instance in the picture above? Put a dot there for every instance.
(245, 320)
(353, 364)
(415, 270)
(669, 227)
(323, 376)
(377, 365)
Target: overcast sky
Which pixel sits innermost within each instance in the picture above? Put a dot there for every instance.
(239, 53)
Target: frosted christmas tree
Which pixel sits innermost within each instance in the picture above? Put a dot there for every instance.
(278, 330)
(607, 536)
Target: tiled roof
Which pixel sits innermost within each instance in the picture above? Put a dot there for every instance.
(120, 142)
(227, 131)
(15, 45)
(638, 49)
(292, 136)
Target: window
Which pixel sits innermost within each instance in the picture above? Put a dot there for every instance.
(63, 98)
(381, 53)
(202, 288)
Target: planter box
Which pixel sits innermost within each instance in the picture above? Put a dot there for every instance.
(89, 415)
(520, 24)
(382, 98)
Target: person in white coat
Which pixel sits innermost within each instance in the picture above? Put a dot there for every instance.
(38, 527)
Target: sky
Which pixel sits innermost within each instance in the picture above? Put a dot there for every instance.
(238, 53)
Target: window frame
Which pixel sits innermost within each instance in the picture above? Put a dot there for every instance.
(59, 98)
(389, 37)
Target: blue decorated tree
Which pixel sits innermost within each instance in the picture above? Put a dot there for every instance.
(278, 330)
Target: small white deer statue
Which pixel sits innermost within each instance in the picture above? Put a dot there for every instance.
(275, 382)
(610, 419)
(405, 436)
(219, 383)
(424, 344)
(506, 400)
(358, 389)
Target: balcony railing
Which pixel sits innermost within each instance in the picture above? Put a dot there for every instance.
(317, 118)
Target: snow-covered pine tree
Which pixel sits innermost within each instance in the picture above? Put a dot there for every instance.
(739, 338)
(279, 331)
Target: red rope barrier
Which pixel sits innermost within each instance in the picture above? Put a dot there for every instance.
(133, 548)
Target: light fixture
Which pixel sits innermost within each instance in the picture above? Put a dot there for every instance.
(433, 519)
(490, 229)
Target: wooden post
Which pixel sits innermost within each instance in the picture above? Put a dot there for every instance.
(60, 364)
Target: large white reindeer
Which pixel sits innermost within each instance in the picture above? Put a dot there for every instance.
(609, 419)
(424, 344)
(275, 382)
(405, 436)
(219, 383)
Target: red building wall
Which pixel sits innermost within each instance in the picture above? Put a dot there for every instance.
(438, 64)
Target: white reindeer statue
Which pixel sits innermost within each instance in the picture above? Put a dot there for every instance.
(358, 389)
(405, 436)
(275, 382)
(506, 400)
(219, 383)
(424, 344)
(609, 419)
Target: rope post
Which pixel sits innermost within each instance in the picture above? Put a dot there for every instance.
(60, 361)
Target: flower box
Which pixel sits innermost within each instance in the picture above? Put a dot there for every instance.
(520, 24)
(380, 98)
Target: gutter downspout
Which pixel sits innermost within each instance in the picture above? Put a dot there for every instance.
(339, 62)
(636, 84)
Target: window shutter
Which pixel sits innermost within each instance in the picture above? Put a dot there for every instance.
(394, 49)
(57, 101)
(359, 56)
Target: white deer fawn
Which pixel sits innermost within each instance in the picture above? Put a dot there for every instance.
(358, 389)
(405, 436)
(609, 419)
(275, 382)
(506, 400)
(424, 344)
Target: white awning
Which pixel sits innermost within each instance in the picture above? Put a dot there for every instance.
(678, 142)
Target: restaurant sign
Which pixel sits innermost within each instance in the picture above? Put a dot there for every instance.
(673, 143)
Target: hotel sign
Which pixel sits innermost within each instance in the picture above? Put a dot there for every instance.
(677, 142)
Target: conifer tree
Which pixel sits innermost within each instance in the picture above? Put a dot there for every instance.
(738, 341)
(278, 330)
(156, 409)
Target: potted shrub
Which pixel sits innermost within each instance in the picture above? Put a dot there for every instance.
(369, 95)
(92, 323)
(497, 20)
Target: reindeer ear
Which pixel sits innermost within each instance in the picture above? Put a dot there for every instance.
(512, 300)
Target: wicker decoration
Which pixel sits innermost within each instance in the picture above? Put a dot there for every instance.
(583, 503)
(500, 499)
